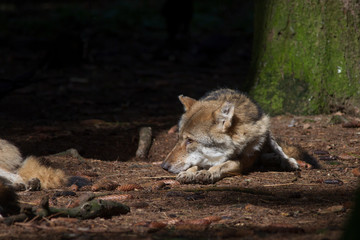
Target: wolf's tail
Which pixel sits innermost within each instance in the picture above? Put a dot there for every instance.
(298, 153)
(49, 177)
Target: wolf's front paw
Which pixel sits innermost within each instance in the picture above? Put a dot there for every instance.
(206, 177)
(186, 177)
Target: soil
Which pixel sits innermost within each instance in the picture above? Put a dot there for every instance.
(98, 106)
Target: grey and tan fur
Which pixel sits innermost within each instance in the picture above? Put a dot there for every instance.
(17, 170)
(222, 134)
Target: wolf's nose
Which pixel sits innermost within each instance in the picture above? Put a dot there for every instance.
(165, 165)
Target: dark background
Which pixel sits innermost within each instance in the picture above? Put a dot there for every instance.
(120, 62)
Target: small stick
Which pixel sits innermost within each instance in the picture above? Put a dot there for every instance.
(288, 184)
(145, 136)
(160, 177)
(278, 185)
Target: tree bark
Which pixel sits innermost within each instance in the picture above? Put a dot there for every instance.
(306, 56)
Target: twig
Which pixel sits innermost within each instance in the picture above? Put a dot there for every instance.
(32, 220)
(160, 177)
(288, 184)
(29, 203)
(53, 215)
(278, 185)
(47, 220)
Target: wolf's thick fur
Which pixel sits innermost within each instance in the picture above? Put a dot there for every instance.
(220, 135)
(18, 171)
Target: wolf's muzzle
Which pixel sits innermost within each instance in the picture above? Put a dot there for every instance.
(165, 165)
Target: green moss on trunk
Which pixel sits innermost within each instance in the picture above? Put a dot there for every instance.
(306, 55)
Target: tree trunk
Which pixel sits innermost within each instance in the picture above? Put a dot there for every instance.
(306, 56)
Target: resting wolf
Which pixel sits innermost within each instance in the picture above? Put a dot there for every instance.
(223, 134)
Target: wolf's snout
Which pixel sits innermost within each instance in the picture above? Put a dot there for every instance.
(165, 165)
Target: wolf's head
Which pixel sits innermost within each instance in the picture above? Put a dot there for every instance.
(204, 135)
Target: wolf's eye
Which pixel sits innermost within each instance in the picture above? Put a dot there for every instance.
(188, 141)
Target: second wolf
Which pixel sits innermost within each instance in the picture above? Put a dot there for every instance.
(30, 173)
(223, 134)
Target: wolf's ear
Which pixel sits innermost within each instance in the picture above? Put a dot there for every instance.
(187, 102)
(224, 115)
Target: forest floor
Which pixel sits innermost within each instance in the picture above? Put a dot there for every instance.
(131, 80)
(260, 205)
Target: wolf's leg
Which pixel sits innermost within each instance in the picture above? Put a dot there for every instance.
(187, 176)
(12, 177)
(286, 162)
(226, 169)
(214, 174)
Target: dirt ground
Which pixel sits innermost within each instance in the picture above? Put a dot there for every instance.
(261, 205)
(132, 80)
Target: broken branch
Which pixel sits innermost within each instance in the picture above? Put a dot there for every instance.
(145, 136)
